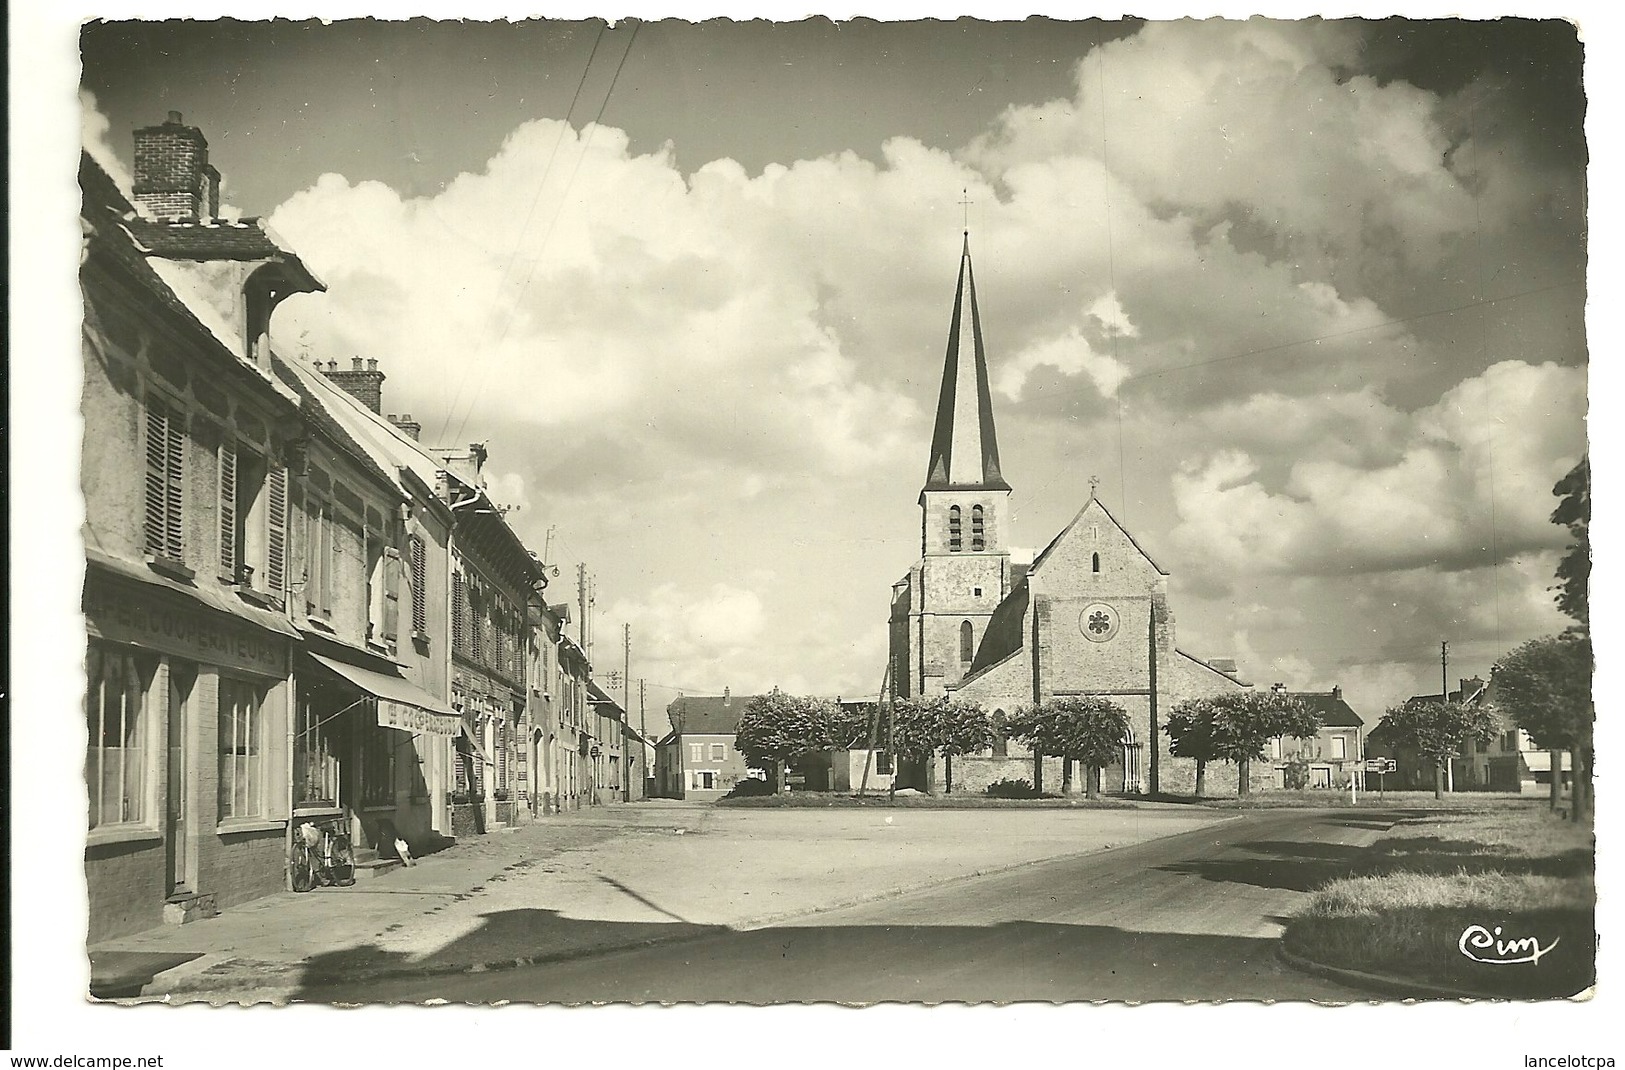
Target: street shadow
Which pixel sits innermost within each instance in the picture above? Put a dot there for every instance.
(1018, 961)
(1286, 864)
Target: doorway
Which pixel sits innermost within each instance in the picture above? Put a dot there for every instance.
(179, 852)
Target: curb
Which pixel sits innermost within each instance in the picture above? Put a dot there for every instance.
(1409, 990)
(227, 985)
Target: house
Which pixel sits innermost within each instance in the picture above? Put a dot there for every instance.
(608, 746)
(698, 759)
(374, 721)
(185, 474)
(492, 578)
(1509, 761)
(1329, 759)
(560, 715)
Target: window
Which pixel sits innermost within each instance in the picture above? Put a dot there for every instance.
(954, 538)
(166, 479)
(378, 765)
(1339, 747)
(702, 779)
(883, 763)
(319, 559)
(1001, 745)
(243, 773)
(978, 529)
(383, 591)
(719, 751)
(696, 752)
(315, 759)
(501, 734)
(418, 557)
(967, 642)
(116, 706)
(1094, 561)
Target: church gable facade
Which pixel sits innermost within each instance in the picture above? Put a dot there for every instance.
(1090, 616)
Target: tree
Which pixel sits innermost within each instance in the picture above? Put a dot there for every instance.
(1545, 687)
(1190, 735)
(1574, 569)
(777, 729)
(1436, 730)
(1242, 723)
(1087, 729)
(941, 725)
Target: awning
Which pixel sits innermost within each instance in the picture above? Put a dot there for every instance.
(401, 704)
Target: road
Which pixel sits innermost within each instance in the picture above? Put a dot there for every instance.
(1190, 917)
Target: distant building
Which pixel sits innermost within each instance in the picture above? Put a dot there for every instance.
(1510, 761)
(1330, 758)
(699, 759)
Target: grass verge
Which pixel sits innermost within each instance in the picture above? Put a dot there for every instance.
(1516, 873)
(821, 800)
(1409, 800)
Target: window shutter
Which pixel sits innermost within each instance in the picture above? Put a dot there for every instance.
(459, 612)
(276, 535)
(228, 510)
(326, 551)
(175, 470)
(392, 592)
(157, 483)
(420, 578)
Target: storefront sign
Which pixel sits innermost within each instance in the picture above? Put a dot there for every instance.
(166, 623)
(414, 719)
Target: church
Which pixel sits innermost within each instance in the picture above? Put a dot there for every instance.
(1089, 616)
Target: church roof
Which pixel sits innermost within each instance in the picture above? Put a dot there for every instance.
(1093, 501)
(1005, 634)
(964, 446)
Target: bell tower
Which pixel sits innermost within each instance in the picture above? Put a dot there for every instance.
(964, 569)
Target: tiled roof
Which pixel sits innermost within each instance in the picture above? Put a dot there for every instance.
(245, 239)
(1333, 711)
(714, 716)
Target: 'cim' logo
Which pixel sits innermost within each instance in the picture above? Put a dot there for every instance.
(1478, 942)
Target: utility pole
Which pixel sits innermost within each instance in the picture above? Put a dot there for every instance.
(626, 668)
(1444, 696)
(581, 605)
(643, 730)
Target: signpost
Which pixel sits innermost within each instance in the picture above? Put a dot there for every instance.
(1381, 766)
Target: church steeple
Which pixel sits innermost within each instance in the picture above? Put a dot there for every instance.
(964, 446)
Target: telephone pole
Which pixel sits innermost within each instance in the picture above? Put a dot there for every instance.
(581, 605)
(1444, 696)
(626, 668)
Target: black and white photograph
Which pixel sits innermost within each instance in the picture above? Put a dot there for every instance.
(1039, 513)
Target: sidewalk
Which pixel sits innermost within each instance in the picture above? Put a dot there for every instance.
(613, 878)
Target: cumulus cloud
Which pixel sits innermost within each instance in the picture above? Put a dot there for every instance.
(1469, 484)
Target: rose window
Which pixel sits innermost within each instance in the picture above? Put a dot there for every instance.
(1099, 622)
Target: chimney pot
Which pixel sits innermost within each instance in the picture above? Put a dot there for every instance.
(333, 365)
(372, 364)
(175, 118)
(355, 364)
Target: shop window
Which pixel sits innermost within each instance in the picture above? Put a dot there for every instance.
(120, 752)
(243, 769)
(315, 759)
(955, 541)
(166, 481)
(378, 765)
(418, 556)
(978, 528)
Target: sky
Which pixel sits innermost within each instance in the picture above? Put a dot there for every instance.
(1307, 297)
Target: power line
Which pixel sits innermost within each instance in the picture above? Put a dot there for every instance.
(513, 257)
(563, 199)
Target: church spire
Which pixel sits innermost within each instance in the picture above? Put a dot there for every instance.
(964, 447)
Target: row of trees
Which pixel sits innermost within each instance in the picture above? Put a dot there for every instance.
(1085, 731)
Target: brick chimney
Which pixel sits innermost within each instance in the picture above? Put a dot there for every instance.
(365, 384)
(726, 693)
(1337, 693)
(406, 425)
(173, 178)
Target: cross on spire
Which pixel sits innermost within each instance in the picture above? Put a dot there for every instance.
(965, 202)
(1094, 485)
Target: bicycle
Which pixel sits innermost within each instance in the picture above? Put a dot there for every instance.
(322, 855)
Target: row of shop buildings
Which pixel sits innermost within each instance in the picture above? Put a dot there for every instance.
(296, 610)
